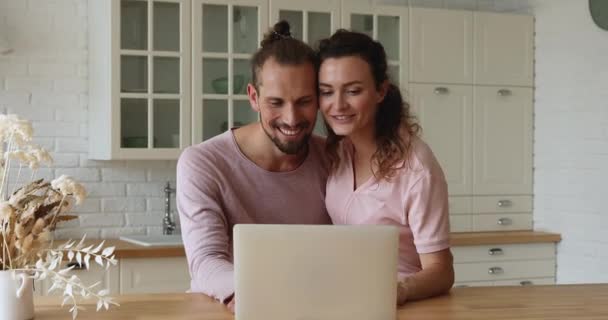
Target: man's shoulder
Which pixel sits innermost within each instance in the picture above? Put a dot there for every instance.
(207, 152)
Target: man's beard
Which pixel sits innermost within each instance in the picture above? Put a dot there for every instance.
(291, 147)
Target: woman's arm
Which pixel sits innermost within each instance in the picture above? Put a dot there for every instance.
(435, 278)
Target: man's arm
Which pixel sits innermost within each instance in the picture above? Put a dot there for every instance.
(204, 228)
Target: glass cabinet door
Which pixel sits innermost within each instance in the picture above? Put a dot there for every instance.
(226, 34)
(386, 24)
(310, 21)
(154, 97)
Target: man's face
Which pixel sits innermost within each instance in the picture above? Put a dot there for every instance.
(287, 103)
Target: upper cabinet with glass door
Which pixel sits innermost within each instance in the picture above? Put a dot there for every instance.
(386, 24)
(139, 79)
(310, 21)
(225, 35)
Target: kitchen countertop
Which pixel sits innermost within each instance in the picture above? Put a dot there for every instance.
(476, 303)
(128, 250)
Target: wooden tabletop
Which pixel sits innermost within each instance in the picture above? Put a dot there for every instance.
(128, 250)
(480, 303)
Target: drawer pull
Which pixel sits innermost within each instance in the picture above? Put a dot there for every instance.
(505, 222)
(504, 203)
(441, 90)
(495, 252)
(461, 286)
(504, 92)
(526, 283)
(495, 270)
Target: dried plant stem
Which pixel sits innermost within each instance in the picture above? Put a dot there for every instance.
(6, 166)
(4, 250)
(57, 212)
(18, 176)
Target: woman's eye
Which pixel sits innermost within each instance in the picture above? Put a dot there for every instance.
(326, 93)
(353, 92)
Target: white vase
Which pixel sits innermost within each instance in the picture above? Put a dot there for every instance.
(16, 296)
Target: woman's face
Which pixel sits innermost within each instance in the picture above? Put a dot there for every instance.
(348, 96)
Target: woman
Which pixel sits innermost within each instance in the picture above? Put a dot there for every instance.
(382, 172)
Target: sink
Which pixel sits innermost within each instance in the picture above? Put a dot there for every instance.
(155, 240)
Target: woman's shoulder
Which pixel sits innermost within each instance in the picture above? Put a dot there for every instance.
(421, 159)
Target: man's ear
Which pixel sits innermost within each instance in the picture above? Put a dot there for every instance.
(252, 93)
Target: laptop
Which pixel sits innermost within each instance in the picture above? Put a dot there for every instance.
(315, 272)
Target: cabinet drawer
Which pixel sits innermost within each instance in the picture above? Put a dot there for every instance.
(502, 222)
(504, 270)
(466, 284)
(526, 282)
(491, 204)
(459, 205)
(154, 275)
(504, 252)
(460, 223)
(514, 282)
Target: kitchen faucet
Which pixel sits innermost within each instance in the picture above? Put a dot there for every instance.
(168, 224)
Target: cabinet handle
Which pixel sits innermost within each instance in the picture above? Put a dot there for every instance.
(495, 270)
(504, 203)
(495, 252)
(461, 286)
(526, 283)
(504, 92)
(441, 90)
(505, 222)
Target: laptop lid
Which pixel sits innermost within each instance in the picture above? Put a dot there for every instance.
(315, 272)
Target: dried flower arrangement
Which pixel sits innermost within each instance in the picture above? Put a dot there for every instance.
(31, 213)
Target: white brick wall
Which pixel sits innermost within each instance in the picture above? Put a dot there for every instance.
(571, 137)
(45, 80)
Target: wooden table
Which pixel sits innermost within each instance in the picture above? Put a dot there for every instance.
(481, 303)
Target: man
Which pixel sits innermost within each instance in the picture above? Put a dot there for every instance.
(272, 171)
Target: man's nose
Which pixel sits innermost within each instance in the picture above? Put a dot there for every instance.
(291, 116)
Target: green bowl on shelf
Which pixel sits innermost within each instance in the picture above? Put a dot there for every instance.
(220, 85)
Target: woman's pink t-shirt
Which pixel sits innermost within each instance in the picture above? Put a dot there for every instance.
(415, 200)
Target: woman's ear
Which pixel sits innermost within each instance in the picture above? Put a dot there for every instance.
(383, 90)
(252, 93)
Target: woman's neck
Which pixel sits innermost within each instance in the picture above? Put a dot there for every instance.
(364, 143)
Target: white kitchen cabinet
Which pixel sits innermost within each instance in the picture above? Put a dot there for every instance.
(445, 113)
(506, 264)
(503, 141)
(139, 87)
(504, 49)
(225, 34)
(388, 25)
(490, 213)
(309, 21)
(441, 46)
(154, 275)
